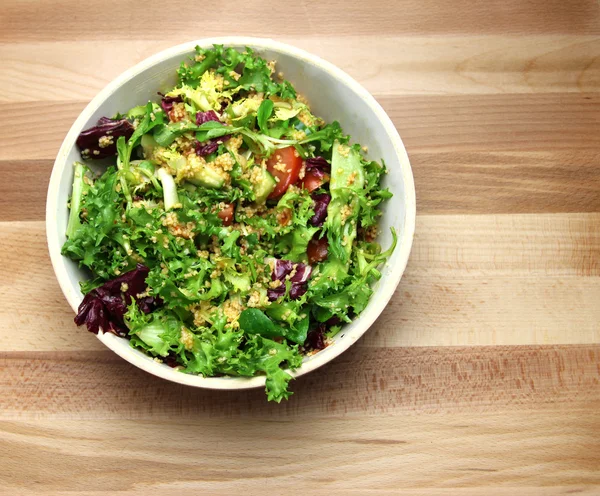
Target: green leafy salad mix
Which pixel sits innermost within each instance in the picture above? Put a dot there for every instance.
(231, 231)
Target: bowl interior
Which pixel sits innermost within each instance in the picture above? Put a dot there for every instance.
(332, 95)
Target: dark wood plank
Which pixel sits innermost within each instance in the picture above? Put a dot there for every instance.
(470, 154)
(23, 20)
(364, 381)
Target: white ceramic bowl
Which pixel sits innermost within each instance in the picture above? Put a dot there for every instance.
(332, 95)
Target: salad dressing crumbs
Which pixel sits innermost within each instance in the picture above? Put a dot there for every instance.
(235, 231)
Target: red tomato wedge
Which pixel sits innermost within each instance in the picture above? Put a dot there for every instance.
(226, 215)
(317, 250)
(312, 180)
(285, 166)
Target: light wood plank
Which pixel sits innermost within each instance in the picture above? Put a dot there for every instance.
(471, 280)
(446, 182)
(498, 103)
(497, 123)
(426, 454)
(361, 382)
(94, 21)
(28, 200)
(562, 122)
(57, 71)
(470, 154)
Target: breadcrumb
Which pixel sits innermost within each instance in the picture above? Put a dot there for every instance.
(254, 300)
(280, 166)
(225, 162)
(343, 150)
(105, 141)
(178, 113)
(232, 309)
(187, 339)
(176, 228)
(345, 212)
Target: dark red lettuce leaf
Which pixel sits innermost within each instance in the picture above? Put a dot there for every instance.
(206, 148)
(315, 339)
(275, 293)
(320, 207)
(302, 274)
(298, 287)
(171, 360)
(210, 146)
(333, 321)
(318, 165)
(281, 269)
(105, 120)
(167, 102)
(104, 307)
(148, 304)
(89, 141)
(202, 117)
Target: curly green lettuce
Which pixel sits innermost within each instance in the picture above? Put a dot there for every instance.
(243, 276)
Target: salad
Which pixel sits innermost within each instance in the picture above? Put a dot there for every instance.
(231, 231)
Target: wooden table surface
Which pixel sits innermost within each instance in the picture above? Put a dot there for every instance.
(481, 377)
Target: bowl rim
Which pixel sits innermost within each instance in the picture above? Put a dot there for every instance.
(367, 318)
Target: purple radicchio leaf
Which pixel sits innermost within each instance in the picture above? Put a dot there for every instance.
(320, 207)
(281, 270)
(202, 117)
(303, 272)
(105, 120)
(315, 339)
(318, 166)
(100, 141)
(297, 289)
(206, 148)
(210, 146)
(167, 102)
(275, 293)
(104, 307)
(171, 360)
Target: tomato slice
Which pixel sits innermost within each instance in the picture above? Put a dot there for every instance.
(285, 166)
(317, 250)
(312, 180)
(226, 215)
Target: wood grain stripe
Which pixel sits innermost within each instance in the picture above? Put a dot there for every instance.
(471, 154)
(56, 71)
(562, 122)
(446, 183)
(28, 201)
(509, 182)
(26, 21)
(100, 385)
(498, 103)
(471, 280)
(357, 455)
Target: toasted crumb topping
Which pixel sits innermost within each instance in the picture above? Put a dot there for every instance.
(187, 339)
(105, 141)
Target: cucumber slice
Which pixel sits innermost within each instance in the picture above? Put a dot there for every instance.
(264, 185)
